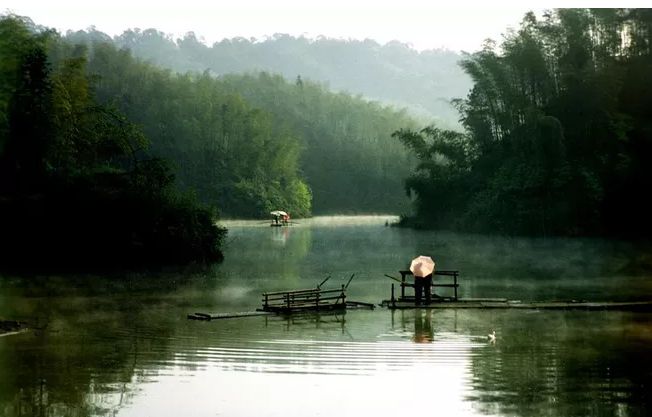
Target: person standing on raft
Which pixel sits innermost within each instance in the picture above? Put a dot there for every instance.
(422, 268)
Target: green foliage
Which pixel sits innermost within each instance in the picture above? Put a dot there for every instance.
(346, 156)
(557, 126)
(247, 143)
(77, 187)
(442, 174)
(16, 40)
(234, 156)
(349, 160)
(255, 143)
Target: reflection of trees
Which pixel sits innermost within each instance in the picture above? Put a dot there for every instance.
(104, 335)
(271, 252)
(84, 361)
(564, 364)
(61, 376)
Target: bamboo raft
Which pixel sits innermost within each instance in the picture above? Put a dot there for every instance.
(454, 274)
(350, 305)
(480, 303)
(317, 300)
(295, 301)
(312, 299)
(404, 301)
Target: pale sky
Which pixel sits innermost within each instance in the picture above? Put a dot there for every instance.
(453, 24)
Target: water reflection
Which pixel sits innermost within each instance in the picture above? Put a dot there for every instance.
(423, 332)
(280, 235)
(317, 365)
(120, 345)
(579, 363)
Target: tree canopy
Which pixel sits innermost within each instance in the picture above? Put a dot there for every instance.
(557, 131)
(77, 184)
(251, 143)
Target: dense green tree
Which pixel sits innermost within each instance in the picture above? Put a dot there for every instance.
(229, 153)
(25, 100)
(77, 186)
(347, 161)
(557, 119)
(445, 159)
(350, 161)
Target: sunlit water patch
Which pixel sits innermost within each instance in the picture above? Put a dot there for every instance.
(366, 362)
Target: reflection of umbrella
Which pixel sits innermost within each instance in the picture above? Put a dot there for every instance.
(278, 213)
(422, 266)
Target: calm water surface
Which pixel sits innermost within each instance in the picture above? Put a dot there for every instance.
(120, 345)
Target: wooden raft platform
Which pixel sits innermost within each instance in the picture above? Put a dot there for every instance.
(404, 301)
(454, 274)
(312, 299)
(496, 303)
(350, 305)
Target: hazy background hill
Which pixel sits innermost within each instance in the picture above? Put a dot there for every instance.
(394, 73)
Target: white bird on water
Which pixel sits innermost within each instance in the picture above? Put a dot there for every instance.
(492, 337)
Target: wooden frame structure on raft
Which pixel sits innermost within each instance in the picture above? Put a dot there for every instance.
(313, 299)
(449, 273)
(438, 302)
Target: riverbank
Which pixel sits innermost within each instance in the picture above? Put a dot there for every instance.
(90, 225)
(9, 327)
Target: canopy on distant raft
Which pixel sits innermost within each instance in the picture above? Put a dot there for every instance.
(422, 266)
(278, 213)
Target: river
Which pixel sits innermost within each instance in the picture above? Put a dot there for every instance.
(119, 344)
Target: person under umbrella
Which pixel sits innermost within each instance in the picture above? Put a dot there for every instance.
(278, 215)
(422, 268)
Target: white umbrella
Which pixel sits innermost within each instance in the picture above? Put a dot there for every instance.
(278, 213)
(422, 266)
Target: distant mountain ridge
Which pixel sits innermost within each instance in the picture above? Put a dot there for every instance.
(394, 73)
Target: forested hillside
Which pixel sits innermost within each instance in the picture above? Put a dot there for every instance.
(233, 155)
(252, 143)
(558, 132)
(78, 185)
(350, 161)
(393, 73)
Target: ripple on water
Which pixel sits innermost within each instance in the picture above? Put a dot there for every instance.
(327, 356)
